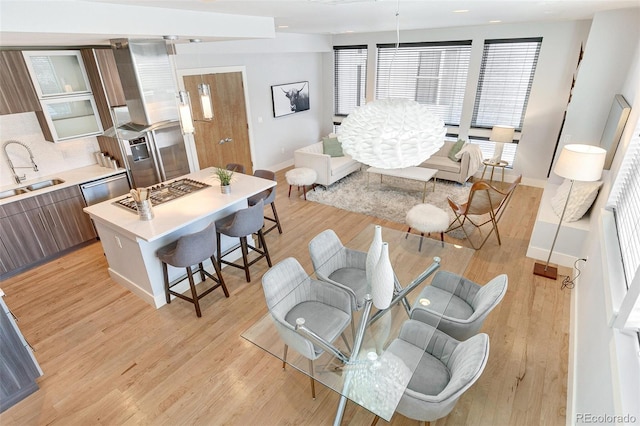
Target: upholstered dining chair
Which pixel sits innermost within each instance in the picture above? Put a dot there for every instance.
(444, 369)
(456, 305)
(185, 252)
(268, 196)
(240, 224)
(235, 167)
(291, 294)
(340, 266)
(483, 200)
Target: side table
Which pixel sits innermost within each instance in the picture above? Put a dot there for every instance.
(490, 163)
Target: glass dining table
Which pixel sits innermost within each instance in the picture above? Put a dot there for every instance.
(361, 370)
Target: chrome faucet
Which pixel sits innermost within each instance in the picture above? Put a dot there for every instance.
(17, 178)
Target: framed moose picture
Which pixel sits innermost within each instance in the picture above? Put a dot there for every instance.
(290, 98)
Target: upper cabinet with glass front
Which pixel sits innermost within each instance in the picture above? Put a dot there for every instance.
(57, 73)
(68, 106)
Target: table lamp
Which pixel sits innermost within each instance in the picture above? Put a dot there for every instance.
(576, 162)
(500, 135)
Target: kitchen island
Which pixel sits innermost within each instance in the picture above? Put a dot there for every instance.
(130, 244)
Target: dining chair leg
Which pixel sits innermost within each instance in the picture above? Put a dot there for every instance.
(219, 251)
(346, 342)
(375, 421)
(313, 382)
(284, 358)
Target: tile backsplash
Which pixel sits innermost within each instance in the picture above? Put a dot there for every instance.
(50, 157)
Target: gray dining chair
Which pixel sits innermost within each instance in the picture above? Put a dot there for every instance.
(291, 294)
(240, 224)
(268, 197)
(456, 305)
(340, 266)
(185, 252)
(444, 369)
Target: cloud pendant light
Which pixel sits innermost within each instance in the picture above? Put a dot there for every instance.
(391, 133)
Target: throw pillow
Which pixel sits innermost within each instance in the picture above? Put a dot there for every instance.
(455, 149)
(582, 197)
(332, 147)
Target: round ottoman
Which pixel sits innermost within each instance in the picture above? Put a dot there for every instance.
(301, 177)
(426, 218)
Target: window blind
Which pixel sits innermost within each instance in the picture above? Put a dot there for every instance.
(433, 74)
(506, 76)
(624, 201)
(350, 78)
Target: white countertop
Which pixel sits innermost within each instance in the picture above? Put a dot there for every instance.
(70, 178)
(175, 214)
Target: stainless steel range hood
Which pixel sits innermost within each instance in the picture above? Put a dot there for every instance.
(148, 81)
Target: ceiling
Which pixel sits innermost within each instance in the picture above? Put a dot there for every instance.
(309, 16)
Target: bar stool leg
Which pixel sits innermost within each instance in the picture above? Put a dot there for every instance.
(264, 247)
(219, 274)
(275, 216)
(165, 273)
(219, 251)
(194, 295)
(245, 255)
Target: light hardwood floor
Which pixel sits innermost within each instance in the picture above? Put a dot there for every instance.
(111, 359)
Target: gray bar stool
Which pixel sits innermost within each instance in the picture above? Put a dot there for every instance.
(240, 224)
(268, 196)
(189, 250)
(235, 167)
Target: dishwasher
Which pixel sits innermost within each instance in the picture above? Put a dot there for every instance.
(104, 189)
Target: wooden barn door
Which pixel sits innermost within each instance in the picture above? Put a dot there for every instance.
(229, 124)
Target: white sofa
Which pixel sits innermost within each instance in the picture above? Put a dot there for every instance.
(329, 169)
(457, 171)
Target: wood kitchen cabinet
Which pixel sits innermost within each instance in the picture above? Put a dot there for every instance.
(109, 77)
(18, 366)
(39, 227)
(17, 94)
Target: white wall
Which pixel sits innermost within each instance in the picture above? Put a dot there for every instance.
(549, 94)
(604, 364)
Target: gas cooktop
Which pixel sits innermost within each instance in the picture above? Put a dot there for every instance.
(165, 192)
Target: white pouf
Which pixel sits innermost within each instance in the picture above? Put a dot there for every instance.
(426, 218)
(301, 177)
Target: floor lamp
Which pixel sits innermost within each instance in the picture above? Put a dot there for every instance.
(576, 162)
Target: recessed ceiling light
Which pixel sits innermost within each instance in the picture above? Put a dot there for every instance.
(283, 26)
(461, 11)
(495, 21)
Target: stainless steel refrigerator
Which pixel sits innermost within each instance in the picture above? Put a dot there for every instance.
(154, 154)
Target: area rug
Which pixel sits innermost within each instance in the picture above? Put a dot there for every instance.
(389, 200)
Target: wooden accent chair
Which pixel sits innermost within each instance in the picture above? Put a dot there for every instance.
(484, 199)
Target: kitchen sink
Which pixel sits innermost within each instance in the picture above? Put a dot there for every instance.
(11, 192)
(44, 184)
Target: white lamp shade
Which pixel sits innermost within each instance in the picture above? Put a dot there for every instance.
(580, 162)
(502, 134)
(391, 133)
